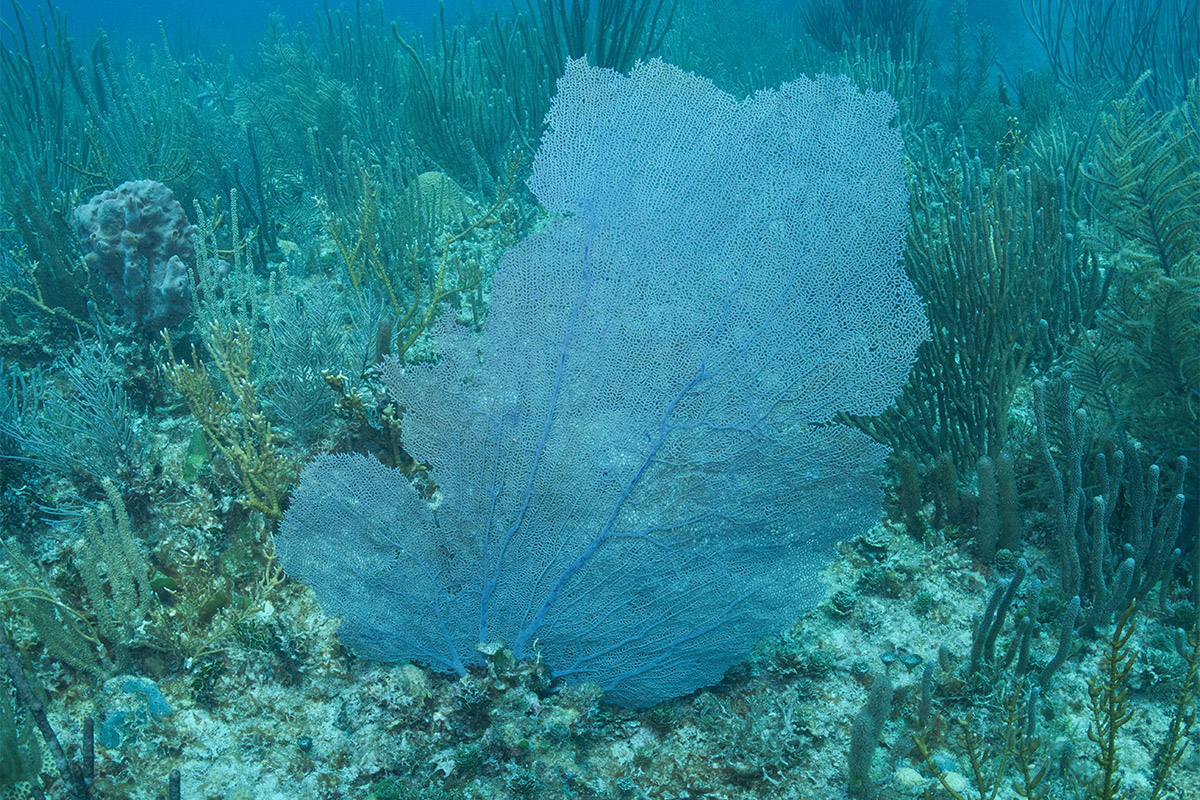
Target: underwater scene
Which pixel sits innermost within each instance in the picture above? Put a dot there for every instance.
(600, 399)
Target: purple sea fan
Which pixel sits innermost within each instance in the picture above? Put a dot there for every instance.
(638, 466)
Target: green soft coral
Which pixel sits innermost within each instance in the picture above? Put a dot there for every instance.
(1144, 362)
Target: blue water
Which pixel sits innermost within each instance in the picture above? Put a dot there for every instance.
(234, 25)
(210, 27)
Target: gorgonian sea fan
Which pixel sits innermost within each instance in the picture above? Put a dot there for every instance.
(637, 463)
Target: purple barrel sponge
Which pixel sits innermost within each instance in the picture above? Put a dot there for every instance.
(140, 243)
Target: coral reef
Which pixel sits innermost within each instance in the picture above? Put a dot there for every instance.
(306, 249)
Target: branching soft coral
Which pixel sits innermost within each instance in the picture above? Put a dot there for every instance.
(1146, 173)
